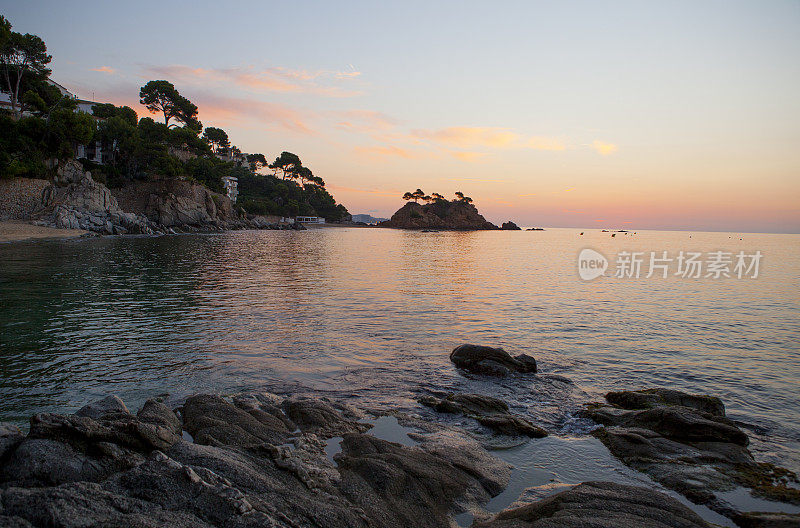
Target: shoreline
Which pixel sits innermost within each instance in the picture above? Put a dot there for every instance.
(466, 457)
(21, 231)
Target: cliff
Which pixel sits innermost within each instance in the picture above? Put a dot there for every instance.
(76, 201)
(441, 214)
(174, 203)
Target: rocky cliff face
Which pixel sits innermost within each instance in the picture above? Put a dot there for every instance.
(439, 215)
(79, 202)
(76, 201)
(178, 203)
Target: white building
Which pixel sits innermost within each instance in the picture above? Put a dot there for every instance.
(231, 187)
(310, 220)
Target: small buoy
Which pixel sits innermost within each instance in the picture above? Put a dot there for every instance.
(581, 233)
(613, 235)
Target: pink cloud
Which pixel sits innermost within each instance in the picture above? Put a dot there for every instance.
(221, 110)
(275, 79)
(105, 69)
(469, 136)
(389, 152)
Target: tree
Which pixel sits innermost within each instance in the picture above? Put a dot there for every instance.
(436, 197)
(416, 196)
(461, 198)
(256, 161)
(305, 175)
(217, 138)
(66, 129)
(108, 110)
(287, 163)
(5, 31)
(161, 96)
(21, 56)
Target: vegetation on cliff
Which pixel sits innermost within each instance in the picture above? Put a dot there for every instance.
(45, 127)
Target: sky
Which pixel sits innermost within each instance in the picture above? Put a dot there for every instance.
(631, 114)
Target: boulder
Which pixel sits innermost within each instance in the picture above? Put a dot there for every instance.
(486, 410)
(212, 420)
(480, 359)
(402, 486)
(599, 505)
(10, 437)
(659, 397)
(677, 423)
(510, 226)
(109, 406)
(686, 443)
(317, 416)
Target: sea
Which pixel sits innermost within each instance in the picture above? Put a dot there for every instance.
(370, 315)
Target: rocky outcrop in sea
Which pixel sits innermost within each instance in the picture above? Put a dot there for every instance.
(686, 443)
(441, 214)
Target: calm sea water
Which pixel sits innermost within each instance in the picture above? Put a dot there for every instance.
(371, 315)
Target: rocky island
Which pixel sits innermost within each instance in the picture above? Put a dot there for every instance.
(459, 214)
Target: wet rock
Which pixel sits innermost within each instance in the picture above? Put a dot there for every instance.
(69, 479)
(110, 405)
(10, 437)
(659, 397)
(81, 431)
(38, 462)
(214, 421)
(319, 417)
(599, 505)
(486, 410)
(156, 413)
(467, 454)
(509, 424)
(489, 360)
(768, 520)
(677, 423)
(401, 486)
(686, 443)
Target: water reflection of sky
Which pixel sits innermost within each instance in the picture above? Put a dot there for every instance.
(372, 314)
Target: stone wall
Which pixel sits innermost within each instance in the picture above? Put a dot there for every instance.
(20, 197)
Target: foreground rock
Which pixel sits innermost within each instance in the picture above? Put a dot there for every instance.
(441, 214)
(686, 443)
(255, 460)
(599, 505)
(487, 411)
(480, 359)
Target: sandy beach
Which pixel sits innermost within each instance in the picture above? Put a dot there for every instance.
(16, 230)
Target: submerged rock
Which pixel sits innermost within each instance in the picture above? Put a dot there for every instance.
(486, 410)
(492, 361)
(599, 505)
(686, 443)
